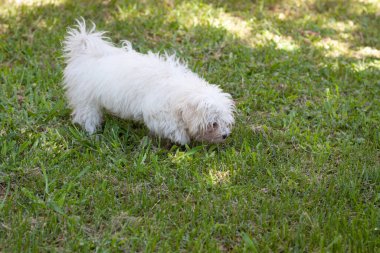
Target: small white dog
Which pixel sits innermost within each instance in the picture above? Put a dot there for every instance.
(172, 101)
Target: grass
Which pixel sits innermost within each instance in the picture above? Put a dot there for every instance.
(300, 173)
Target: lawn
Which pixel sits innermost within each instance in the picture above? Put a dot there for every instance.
(300, 172)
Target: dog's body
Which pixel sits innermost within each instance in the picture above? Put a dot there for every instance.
(172, 101)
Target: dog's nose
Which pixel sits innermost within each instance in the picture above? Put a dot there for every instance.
(224, 136)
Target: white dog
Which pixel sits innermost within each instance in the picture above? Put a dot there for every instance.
(172, 101)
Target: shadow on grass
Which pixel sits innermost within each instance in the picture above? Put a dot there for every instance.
(259, 76)
(270, 84)
(294, 106)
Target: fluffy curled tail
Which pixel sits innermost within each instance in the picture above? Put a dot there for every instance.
(80, 41)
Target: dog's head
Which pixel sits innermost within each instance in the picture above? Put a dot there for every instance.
(208, 114)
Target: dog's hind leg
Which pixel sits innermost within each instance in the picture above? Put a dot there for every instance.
(89, 116)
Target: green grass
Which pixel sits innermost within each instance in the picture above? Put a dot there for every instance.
(300, 173)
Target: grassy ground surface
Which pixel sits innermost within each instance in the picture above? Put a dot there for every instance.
(300, 172)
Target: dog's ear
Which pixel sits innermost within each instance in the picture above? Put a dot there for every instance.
(187, 113)
(192, 117)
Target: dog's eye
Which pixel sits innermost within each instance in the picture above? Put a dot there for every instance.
(214, 125)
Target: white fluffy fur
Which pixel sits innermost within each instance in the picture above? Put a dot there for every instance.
(171, 100)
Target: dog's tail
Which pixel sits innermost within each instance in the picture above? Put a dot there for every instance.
(80, 41)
